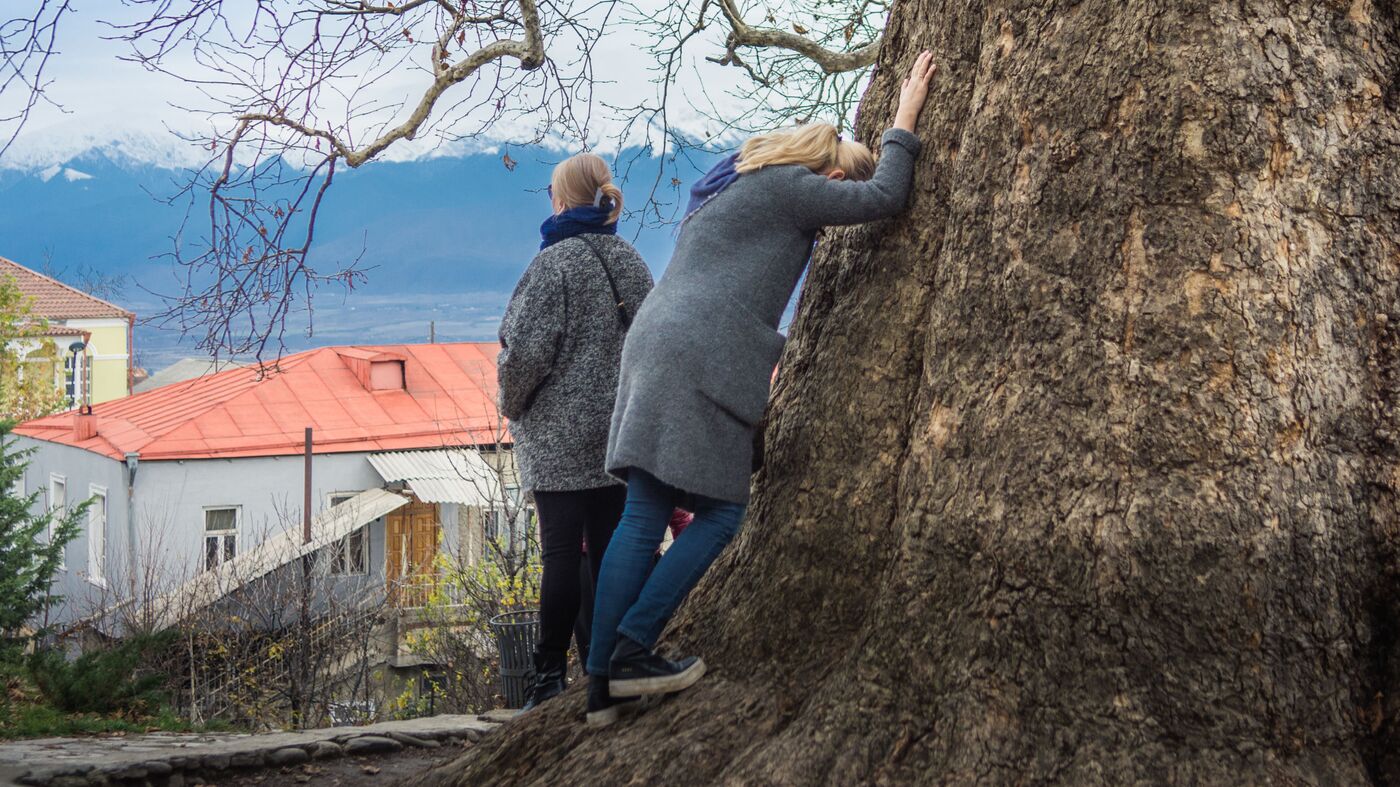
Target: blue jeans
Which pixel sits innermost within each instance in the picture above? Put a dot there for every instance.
(635, 600)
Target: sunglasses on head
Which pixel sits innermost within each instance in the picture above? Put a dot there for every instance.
(598, 196)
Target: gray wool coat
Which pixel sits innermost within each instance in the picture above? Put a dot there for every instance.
(561, 338)
(697, 365)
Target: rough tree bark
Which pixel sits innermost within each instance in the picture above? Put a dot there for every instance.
(1085, 470)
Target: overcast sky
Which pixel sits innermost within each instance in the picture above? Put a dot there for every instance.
(119, 106)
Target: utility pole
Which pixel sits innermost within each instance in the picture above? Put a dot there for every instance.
(432, 331)
(306, 494)
(301, 695)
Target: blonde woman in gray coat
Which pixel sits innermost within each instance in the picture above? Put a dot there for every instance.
(561, 340)
(696, 369)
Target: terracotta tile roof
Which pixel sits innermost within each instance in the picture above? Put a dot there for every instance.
(55, 300)
(64, 330)
(449, 398)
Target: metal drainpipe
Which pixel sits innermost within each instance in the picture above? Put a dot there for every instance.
(133, 458)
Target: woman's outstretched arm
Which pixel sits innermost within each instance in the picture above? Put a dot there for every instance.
(914, 92)
(818, 201)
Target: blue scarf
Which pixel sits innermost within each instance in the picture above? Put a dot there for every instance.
(591, 219)
(716, 180)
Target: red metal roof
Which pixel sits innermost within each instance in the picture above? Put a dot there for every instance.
(449, 398)
(55, 300)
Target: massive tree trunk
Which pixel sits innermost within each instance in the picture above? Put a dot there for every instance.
(1084, 470)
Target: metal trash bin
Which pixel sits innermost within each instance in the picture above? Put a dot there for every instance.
(516, 634)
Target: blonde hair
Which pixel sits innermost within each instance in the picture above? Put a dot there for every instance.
(584, 179)
(815, 146)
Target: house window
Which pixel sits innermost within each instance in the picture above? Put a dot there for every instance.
(77, 381)
(493, 518)
(97, 536)
(58, 509)
(349, 555)
(341, 497)
(220, 536)
(510, 533)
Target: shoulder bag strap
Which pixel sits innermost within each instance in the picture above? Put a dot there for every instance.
(622, 316)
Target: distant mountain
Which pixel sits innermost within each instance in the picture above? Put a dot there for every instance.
(443, 239)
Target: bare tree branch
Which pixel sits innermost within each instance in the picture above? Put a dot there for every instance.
(529, 51)
(741, 34)
(27, 43)
(815, 73)
(312, 87)
(295, 91)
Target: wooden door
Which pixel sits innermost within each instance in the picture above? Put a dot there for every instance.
(410, 552)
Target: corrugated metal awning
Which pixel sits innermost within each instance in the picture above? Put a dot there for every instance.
(453, 475)
(277, 550)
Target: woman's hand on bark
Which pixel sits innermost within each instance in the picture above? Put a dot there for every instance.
(914, 91)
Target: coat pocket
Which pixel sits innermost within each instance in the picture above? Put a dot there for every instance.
(742, 354)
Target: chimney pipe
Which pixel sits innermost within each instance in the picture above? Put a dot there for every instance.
(84, 423)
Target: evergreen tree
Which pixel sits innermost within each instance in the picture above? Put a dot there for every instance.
(31, 548)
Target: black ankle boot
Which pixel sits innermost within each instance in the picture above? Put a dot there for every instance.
(549, 679)
(635, 671)
(603, 709)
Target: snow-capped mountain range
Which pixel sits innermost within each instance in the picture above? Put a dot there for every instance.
(444, 239)
(69, 174)
(59, 143)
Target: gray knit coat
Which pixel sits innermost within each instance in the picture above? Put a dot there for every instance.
(698, 362)
(561, 338)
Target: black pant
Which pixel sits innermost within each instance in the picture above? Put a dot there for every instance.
(565, 518)
(583, 624)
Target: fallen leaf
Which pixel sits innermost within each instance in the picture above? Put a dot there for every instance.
(370, 769)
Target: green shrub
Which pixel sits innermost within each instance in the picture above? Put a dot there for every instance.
(115, 680)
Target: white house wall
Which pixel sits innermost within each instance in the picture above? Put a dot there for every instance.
(171, 496)
(169, 501)
(81, 471)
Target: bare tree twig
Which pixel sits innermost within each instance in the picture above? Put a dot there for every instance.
(302, 88)
(814, 73)
(27, 43)
(297, 90)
